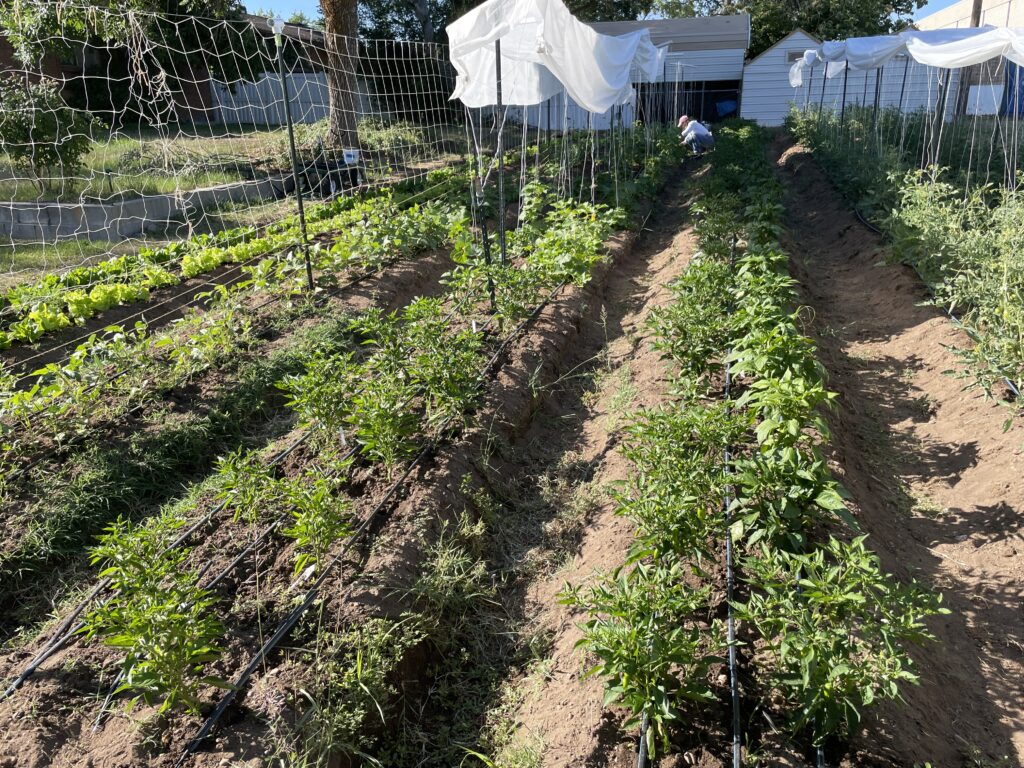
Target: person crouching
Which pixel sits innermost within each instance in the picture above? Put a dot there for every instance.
(695, 135)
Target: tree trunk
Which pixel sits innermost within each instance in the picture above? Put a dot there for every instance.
(421, 8)
(341, 25)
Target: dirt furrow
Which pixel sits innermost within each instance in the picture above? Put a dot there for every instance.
(561, 713)
(935, 479)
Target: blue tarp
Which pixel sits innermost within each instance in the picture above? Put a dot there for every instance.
(1013, 93)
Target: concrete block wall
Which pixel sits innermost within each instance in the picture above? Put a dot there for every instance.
(43, 222)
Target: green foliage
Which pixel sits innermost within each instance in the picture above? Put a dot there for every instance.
(39, 132)
(246, 484)
(161, 617)
(652, 655)
(350, 683)
(675, 494)
(443, 362)
(963, 235)
(319, 517)
(835, 627)
(693, 330)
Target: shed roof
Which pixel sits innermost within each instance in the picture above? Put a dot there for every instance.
(703, 33)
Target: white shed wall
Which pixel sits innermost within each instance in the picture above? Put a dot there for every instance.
(260, 103)
(701, 66)
(766, 90)
(680, 67)
(767, 94)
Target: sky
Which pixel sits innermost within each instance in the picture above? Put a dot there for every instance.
(286, 8)
(932, 6)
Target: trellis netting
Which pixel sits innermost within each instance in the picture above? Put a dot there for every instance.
(516, 58)
(944, 98)
(120, 128)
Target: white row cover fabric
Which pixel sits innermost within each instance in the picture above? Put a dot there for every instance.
(545, 47)
(944, 48)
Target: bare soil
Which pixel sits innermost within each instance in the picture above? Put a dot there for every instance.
(934, 478)
(936, 481)
(49, 721)
(564, 711)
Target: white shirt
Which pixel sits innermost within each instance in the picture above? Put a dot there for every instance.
(694, 128)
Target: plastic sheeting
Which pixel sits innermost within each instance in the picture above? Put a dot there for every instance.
(543, 48)
(943, 48)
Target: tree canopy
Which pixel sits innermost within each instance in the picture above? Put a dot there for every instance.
(772, 20)
(425, 20)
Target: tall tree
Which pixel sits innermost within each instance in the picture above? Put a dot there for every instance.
(425, 20)
(419, 20)
(341, 25)
(609, 10)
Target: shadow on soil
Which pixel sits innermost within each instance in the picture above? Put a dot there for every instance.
(836, 259)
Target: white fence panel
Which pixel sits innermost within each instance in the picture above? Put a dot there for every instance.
(260, 103)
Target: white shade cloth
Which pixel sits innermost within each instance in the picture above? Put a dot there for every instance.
(944, 48)
(543, 48)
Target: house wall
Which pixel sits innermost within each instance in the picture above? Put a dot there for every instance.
(903, 83)
(700, 66)
(687, 79)
(996, 13)
(767, 95)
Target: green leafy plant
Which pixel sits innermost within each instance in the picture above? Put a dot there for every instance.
(40, 132)
(319, 517)
(161, 618)
(835, 628)
(651, 650)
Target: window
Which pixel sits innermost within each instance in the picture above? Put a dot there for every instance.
(794, 56)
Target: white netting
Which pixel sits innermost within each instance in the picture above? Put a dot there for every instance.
(119, 129)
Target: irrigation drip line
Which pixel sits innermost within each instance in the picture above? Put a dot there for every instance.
(949, 312)
(311, 595)
(66, 632)
(642, 758)
(266, 533)
(734, 690)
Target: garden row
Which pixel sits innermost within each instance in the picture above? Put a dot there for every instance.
(375, 231)
(57, 301)
(137, 360)
(122, 384)
(823, 628)
(408, 378)
(960, 231)
(399, 383)
(104, 422)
